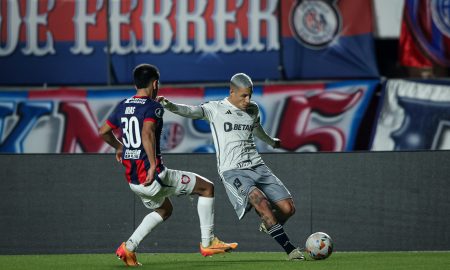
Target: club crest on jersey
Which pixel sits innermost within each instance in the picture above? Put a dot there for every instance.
(315, 23)
(159, 112)
(185, 179)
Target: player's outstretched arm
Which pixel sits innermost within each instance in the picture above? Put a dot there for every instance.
(195, 112)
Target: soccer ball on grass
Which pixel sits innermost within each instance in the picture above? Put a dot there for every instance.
(319, 246)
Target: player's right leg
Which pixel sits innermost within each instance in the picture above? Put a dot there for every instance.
(210, 244)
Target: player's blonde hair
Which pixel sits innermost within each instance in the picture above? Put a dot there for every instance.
(241, 80)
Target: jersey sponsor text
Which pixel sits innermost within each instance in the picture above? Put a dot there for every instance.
(132, 153)
(227, 126)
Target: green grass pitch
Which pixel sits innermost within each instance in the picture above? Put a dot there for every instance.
(234, 261)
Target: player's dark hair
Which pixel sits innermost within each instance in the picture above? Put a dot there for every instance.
(144, 75)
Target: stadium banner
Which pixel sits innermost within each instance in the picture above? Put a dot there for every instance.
(413, 116)
(53, 42)
(425, 32)
(328, 39)
(306, 117)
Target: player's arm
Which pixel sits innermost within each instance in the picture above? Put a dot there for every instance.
(106, 133)
(259, 131)
(149, 143)
(195, 112)
(262, 135)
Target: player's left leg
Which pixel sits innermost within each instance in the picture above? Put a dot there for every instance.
(277, 206)
(263, 207)
(126, 251)
(284, 209)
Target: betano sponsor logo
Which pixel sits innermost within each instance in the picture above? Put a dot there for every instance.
(227, 126)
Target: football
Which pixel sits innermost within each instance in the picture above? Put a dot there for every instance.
(319, 246)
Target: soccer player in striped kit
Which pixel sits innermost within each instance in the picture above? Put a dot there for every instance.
(248, 182)
(140, 118)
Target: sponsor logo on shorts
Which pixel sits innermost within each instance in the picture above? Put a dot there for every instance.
(245, 163)
(237, 183)
(183, 192)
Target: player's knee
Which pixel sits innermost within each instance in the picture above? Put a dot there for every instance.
(291, 211)
(288, 208)
(259, 201)
(204, 187)
(209, 190)
(165, 212)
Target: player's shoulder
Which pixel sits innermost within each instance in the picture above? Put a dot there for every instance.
(155, 104)
(156, 107)
(211, 103)
(122, 102)
(253, 104)
(253, 108)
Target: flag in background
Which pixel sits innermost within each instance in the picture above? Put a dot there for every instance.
(424, 38)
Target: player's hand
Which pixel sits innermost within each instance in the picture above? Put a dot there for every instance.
(150, 177)
(160, 98)
(119, 152)
(277, 143)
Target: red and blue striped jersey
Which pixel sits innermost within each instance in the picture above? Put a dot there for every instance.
(130, 115)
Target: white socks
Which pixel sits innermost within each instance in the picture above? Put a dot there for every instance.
(205, 209)
(147, 225)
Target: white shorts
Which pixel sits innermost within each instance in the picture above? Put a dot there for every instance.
(174, 183)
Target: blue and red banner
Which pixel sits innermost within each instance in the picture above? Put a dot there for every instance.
(413, 116)
(306, 117)
(65, 42)
(328, 39)
(425, 33)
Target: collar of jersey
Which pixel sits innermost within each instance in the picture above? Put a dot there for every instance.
(140, 97)
(231, 104)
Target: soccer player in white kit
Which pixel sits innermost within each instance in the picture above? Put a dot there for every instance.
(249, 183)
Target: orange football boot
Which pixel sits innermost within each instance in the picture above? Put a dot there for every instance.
(217, 247)
(129, 257)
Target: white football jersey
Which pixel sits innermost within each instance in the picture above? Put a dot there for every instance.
(232, 131)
